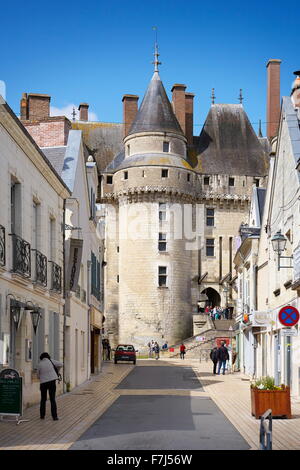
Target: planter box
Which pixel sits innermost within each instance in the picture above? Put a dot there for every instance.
(279, 401)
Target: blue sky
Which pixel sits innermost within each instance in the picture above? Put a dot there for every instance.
(97, 51)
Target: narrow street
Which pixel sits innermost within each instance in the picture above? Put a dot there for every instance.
(156, 411)
(168, 404)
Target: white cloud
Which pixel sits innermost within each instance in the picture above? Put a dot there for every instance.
(68, 110)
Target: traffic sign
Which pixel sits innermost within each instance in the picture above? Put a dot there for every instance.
(289, 332)
(288, 316)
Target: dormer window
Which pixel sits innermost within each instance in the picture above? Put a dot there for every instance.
(166, 146)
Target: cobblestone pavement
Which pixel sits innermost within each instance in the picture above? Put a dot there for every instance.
(79, 409)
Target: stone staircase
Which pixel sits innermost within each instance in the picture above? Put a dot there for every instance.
(211, 330)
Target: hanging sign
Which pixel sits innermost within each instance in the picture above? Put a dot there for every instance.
(288, 316)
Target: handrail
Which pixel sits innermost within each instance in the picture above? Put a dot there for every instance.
(265, 432)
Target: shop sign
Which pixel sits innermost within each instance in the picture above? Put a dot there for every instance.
(200, 338)
(261, 318)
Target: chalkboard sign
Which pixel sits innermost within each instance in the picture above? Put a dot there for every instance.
(10, 392)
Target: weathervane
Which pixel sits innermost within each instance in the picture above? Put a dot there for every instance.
(241, 96)
(74, 114)
(156, 54)
(213, 97)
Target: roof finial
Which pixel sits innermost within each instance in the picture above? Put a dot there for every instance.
(259, 129)
(213, 97)
(74, 114)
(241, 96)
(156, 54)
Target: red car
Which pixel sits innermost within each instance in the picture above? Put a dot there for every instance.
(125, 352)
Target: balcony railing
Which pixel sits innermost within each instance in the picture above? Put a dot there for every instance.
(56, 280)
(2, 246)
(21, 256)
(40, 268)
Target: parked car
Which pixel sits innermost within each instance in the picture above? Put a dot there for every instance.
(125, 352)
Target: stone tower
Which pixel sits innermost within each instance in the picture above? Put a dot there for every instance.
(150, 190)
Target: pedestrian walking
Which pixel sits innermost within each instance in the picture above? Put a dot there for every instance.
(48, 373)
(182, 351)
(149, 349)
(214, 357)
(108, 350)
(223, 356)
(156, 350)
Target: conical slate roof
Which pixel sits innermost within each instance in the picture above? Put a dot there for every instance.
(155, 113)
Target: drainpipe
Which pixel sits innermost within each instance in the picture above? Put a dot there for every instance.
(88, 318)
(64, 295)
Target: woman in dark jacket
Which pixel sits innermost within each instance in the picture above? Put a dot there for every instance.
(214, 358)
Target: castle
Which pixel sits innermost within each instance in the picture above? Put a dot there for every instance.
(174, 205)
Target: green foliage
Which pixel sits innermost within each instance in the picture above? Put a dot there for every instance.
(266, 383)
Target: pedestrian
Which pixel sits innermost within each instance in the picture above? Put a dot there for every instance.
(182, 351)
(104, 349)
(156, 350)
(149, 349)
(214, 358)
(222, 356)
(48, 373)
(108, 349)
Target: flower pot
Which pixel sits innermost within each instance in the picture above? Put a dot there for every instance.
(279, 401)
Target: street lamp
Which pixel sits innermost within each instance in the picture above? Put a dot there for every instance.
(279, 245)
(15, 309)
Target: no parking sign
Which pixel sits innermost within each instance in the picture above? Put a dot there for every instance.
(288, 316)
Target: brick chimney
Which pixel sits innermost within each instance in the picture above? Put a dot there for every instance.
(83, 112)
(38, 106)
(273, 97)
(130, 108)
(189, 117)
(24, 107)
(295, 95)
(46, 130)
(178, 102)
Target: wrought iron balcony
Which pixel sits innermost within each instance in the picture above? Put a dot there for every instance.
(2, 246)
(21, 256)
(40, 268)
(56, 277)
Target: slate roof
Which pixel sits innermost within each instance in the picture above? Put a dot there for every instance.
(229, 145)
(156, 112)
(56, 156)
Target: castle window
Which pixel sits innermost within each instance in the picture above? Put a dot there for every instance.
(162, 242)
(125, 175)
(231, 181)
(143, 174)
(128, 150)
(206, 180)
(162, 214)
(166, 146)
(256, 182)
(210, 247)
(162, 276)
(210, 217)
(164, 173)
(188, 177)
(109, 179)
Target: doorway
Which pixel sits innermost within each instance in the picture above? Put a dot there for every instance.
(214, 298)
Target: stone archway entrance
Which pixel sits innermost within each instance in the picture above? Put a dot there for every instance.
(214, 298)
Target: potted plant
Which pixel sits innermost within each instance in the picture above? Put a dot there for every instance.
(265, 394)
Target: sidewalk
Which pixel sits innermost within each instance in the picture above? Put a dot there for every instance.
(79, 409)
